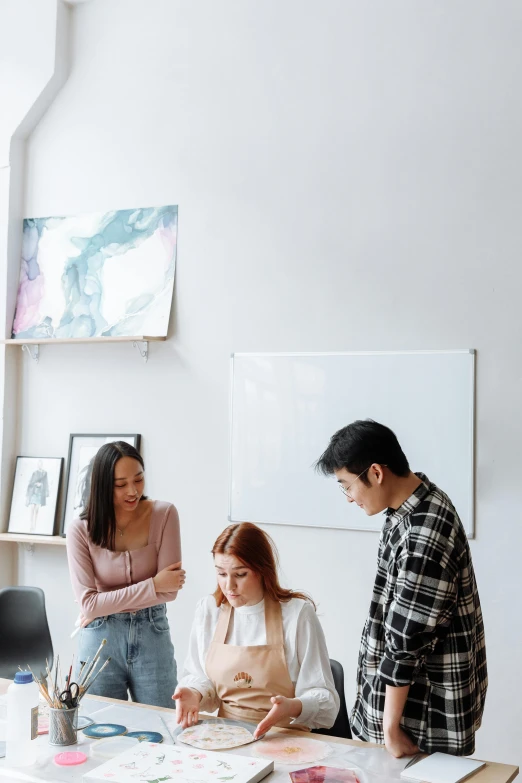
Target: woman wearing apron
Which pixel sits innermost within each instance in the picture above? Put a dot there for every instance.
(257, 651)
(124, 561)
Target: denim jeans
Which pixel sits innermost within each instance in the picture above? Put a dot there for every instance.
(142, 656)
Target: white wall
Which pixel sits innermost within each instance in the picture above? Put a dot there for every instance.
(349, 178)
(33, 66)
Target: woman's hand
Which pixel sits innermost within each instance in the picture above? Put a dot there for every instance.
(282, 709)
(187, 706)
(398, 743)
(170, 579)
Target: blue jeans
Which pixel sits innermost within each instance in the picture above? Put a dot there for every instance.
(142, 656)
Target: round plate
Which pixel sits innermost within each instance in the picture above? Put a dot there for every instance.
(99, 730)
(146, 736)
(70, 758)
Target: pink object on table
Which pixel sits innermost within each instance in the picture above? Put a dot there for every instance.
(70, 758)
(324, 775)
(292, 750)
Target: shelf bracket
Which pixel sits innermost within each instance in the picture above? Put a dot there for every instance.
(33, 351)
(143, 348)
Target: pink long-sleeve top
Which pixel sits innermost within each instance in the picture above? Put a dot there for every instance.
(106, 582)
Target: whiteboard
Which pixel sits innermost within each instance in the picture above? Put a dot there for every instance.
(285, 408)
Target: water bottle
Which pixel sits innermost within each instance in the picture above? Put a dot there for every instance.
(22, 720)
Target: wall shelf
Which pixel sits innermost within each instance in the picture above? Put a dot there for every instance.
(32, 346)
(25, 538)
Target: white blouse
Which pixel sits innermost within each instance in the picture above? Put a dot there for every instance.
(305, 651)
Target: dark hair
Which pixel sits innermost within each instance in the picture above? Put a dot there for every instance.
(99, 512)
(256, 550)
(360, 445)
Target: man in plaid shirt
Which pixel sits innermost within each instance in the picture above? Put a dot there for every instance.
(422, 675)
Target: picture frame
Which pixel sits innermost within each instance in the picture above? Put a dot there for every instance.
(83, 448)
(34, 500)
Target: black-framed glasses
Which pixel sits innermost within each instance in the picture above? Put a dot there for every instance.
(346, 490)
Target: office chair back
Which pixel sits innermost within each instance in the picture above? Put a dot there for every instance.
(341, 727)
(25, 631)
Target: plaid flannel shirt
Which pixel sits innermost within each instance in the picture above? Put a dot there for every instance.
(424, 629)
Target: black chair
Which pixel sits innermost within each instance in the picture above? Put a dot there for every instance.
(341, 727)
(25, 631)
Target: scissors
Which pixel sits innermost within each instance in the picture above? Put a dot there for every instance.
(69, 696)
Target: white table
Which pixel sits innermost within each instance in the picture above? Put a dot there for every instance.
(142, 717)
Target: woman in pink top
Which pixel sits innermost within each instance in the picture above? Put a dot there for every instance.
(125, 562)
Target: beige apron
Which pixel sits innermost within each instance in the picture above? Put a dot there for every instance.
(245, 678)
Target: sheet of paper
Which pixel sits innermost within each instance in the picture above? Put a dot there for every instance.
(151, 763)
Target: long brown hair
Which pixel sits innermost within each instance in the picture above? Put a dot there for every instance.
(99, 511)
(256, 550)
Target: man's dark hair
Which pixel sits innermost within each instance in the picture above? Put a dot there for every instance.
(360, 445)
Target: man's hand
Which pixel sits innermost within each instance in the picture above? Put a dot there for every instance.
(282, 709)
(396, 740)
(398, 743)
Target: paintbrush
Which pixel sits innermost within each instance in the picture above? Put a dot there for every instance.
(55, 689)
(86, 688)
(83, 665)
(94, 661)
(39, 684)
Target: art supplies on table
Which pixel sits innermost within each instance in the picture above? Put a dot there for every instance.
(22, 720)
(216, 736)
(99, 730)
(149, 762)
(65, 693)
(324, 775)
(292, 750)
(146, 736)
(442, 768)
(70, 758)
(43, 717)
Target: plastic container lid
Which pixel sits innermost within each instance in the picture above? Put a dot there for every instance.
(70, 758)
(22, 678)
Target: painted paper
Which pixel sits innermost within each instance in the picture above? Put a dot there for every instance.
(216, 736)
(292, 750)
(151, 763)
(106, 274)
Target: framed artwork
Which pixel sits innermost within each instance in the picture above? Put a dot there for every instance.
(82, 450)
(103, 274)
(35, 495)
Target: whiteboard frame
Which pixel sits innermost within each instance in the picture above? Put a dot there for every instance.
(471, 489)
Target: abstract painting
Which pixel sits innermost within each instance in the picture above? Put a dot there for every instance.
(35, 495)
(106, 274)
(82, 451)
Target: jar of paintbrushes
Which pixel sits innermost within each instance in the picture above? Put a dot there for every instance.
(64, 696)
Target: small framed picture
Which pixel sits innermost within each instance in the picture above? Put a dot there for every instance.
(82, 450)
(35, 495)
